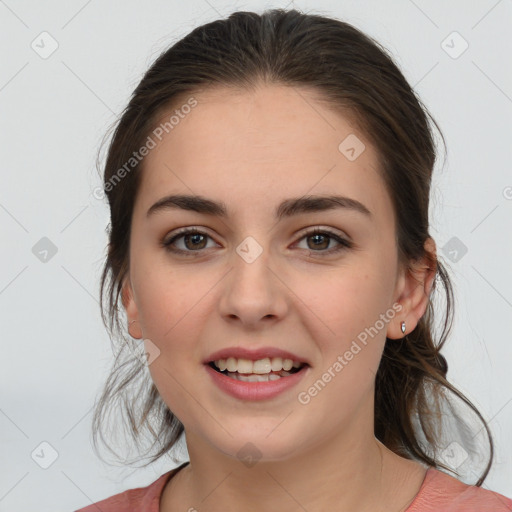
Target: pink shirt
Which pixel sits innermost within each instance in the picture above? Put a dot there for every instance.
(439, 492)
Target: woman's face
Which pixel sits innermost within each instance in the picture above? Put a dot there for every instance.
(255, 280)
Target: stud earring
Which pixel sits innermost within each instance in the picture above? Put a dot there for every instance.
(402, 326)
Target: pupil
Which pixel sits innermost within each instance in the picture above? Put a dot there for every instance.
(188, 237)
(316, 237)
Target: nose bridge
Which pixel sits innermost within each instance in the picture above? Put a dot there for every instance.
(251, 264)
(252, 290)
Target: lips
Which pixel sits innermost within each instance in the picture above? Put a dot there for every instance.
(254, 355)
(249, 390)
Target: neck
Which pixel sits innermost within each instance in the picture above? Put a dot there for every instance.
(345, 476)
(307, 482)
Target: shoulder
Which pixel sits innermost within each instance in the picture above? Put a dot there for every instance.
(140, 499)
(441, 491)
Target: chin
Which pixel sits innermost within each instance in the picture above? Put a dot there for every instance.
(258, 446)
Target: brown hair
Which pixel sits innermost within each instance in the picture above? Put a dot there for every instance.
(354, 74)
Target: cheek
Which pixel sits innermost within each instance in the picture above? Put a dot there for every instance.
(345, 301)
(169, 309)
(346, 312)
(175, 304)
(165, 301)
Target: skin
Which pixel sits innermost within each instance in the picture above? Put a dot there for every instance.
(252, 150)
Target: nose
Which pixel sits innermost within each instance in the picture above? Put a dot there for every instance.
(253, 291)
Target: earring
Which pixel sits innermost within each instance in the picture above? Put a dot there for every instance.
(402, 326)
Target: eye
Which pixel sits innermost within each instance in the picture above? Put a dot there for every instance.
(321, 240)
(193, 239)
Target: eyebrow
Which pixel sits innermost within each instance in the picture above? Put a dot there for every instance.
(288, 208)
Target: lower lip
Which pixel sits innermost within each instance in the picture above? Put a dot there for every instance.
(255, 390)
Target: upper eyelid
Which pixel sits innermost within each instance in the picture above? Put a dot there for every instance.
(301, 232)
(186, 231)
(308, 231)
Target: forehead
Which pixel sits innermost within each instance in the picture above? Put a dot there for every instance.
(272, 142)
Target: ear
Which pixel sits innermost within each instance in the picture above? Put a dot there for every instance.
(132, 313)
(413, 289)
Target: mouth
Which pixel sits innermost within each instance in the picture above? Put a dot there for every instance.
(258, 375)
(263, 370)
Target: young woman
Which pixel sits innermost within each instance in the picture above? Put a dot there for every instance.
(269, 243)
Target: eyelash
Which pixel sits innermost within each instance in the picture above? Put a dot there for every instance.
(343, 244)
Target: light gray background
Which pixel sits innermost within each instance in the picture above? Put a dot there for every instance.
(53, 114)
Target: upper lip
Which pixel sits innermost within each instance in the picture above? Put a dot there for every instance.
(253, 355)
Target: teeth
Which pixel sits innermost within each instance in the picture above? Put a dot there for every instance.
(261, 366)
(258, 378)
